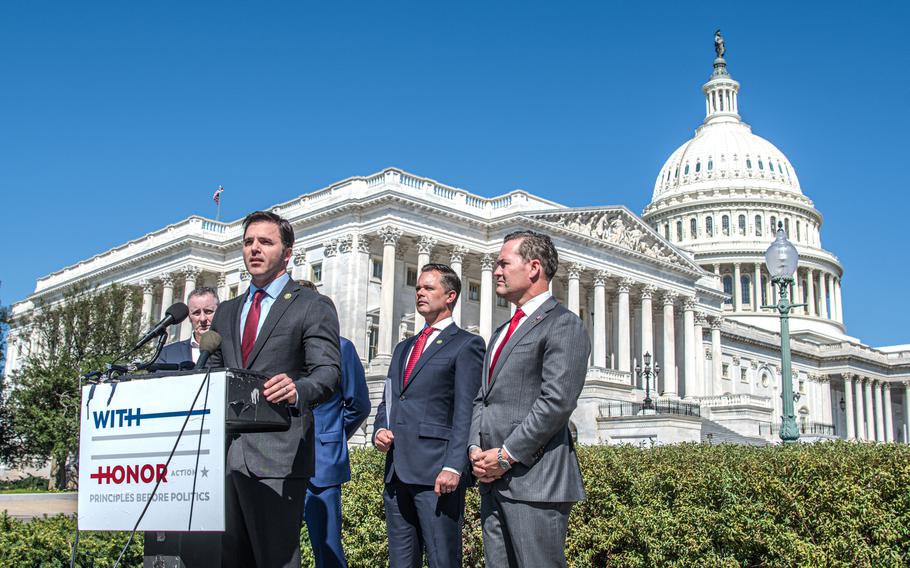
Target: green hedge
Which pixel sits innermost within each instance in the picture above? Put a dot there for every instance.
(831, 504)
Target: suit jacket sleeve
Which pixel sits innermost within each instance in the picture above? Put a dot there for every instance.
(468, 368)
(322, 354)
(355, 395)
(474, 433)
(216, 359)
(565, 363)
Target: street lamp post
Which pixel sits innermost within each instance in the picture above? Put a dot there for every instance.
(648, 374)
(781, 259)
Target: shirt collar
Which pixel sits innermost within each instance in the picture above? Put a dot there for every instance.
(442, 324)
(531, 305)
(273, 288)
(193, 343)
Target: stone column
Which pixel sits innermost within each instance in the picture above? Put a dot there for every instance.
(810, 283)
(455, 261)
(390, 236)
(889, 418)
(599, 349)
(699, 354)
(756, 288)
(624, 333)
(716, 357)
(574, 272)
(425, 247)
(167, 293)
(848, 406)
(907, 412)
(870, 409)
(879, 411)
(737, 288)
(822, 305)
(189, 284)
(669, 366)
(861, 431)
(222, 287)
(148, 289)
(647, 321)
(797, 297)
(300, 271)
(839, 299)
(827, 407)
(689, 346)
(486, 296)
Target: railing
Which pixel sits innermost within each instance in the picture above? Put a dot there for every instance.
(214, 227)
(735, 400)
(807, 428)
(617, 409)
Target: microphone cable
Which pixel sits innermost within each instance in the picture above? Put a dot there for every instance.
(189, 414)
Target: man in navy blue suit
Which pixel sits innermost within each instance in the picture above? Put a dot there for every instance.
(422, 424)
(336, 421)
(202, 304)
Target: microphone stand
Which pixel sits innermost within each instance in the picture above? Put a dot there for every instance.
(113, 371)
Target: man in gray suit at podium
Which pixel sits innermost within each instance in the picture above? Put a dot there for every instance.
(290, 334)
(520, 445)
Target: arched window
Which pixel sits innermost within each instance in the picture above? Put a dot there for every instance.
(676, 175)
(758, 225)
(667, 231)
(748, 163)
(761, 164)
(764, 290)
(799, 233)
(728, 288)
(742, 225)
(686, 171)
(804, 291)
(709, 226)
(710, 165)
(679, 233)
(745, 289)
(725, 225)
(787, 226)
(693, 228)
(773, 225)
(697, 167)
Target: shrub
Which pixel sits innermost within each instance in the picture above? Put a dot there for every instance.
(831, 504)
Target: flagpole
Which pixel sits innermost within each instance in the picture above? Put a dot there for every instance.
(218, 211)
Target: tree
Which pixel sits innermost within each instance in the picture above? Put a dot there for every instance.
(82, 333)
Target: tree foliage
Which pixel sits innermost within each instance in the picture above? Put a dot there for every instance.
(82, 333)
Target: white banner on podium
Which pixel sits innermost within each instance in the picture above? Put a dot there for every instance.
(127, 432)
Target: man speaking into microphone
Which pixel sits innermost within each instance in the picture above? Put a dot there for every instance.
(290, 334)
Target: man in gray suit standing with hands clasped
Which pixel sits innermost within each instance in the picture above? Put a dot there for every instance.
(520, 446)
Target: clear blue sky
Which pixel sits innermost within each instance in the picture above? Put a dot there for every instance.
(117, 118)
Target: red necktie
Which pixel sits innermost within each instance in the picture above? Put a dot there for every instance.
(416, 352)
(250, 326)
(512, 325)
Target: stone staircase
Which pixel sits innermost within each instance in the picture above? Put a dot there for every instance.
(714, 433)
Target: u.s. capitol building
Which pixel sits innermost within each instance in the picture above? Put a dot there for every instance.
(684, 282)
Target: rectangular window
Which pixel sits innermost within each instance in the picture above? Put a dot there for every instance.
(742, 376)
(725, 372)
(474, 291)
(412, 276)
(316, 273)
(501, 302)
(232, 293)
(376, 269)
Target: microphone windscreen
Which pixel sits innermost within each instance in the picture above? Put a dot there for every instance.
(210, 341)
(178, 311)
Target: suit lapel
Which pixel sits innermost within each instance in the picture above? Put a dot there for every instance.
(237, 309)
(488, 357)
(430, 350)
(280, 305)
(533, 319)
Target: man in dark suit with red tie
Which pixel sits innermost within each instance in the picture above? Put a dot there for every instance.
(422, 425)
(289, 334)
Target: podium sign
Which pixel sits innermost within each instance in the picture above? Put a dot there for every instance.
(127, 432)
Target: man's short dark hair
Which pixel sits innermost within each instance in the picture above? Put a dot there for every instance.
(284, 226)
(450, 281)
(308, 284)
(536, 245)
(202, 291)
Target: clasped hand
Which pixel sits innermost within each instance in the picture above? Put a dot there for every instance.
(486, 466)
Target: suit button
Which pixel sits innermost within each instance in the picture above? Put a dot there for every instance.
(401, 397)
(486, 403)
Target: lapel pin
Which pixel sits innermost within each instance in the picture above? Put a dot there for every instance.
(438, 342)
(287, 296)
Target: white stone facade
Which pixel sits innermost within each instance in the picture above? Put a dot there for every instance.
(685, 283)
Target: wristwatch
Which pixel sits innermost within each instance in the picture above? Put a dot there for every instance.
(503, 462)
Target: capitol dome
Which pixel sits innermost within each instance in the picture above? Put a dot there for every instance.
(722, 196)
(724, 152)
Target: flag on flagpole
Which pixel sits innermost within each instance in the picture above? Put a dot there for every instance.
(217, 197)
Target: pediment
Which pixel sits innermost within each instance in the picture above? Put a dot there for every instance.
(618, 227)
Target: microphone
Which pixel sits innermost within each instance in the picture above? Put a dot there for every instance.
(209, 342)
(174, 315)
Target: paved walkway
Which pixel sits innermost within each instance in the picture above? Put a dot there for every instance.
(26, 506)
